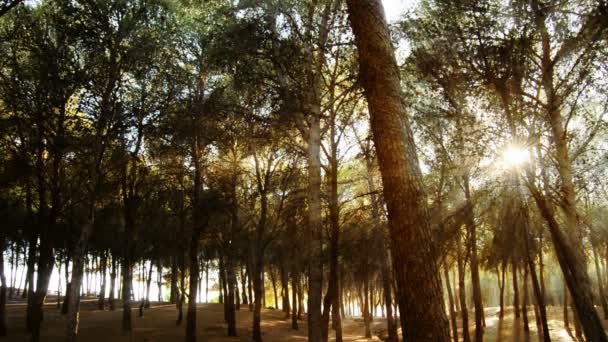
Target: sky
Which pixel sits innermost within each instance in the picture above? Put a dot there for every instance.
(394, 8)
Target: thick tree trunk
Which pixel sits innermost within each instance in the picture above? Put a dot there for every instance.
(414, 256)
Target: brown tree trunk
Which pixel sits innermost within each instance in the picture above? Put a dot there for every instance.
(273, 282)
(414, 256)
(294, 303)
(600, 281)
(148, 283)
(515, 290)
(446, 275)
(101, 302)
(3, 288)
(464, 312)
(174, 290)
(159, 280)
(244, 286)
(127, 284)
(314, 232)
(524, 307)
(472, 229)
(365, 313)
(285, 290)
(111, 295)
(231, 294)
(568, 246)
(501, 314)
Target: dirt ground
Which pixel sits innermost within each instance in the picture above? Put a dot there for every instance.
(158, 324)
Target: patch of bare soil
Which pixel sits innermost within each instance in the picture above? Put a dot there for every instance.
(158, 324)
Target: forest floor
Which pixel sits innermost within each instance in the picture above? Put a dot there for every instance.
(158, 324)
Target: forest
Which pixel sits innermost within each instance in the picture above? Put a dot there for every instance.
(303, 170)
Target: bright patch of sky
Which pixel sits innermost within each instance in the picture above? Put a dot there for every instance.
(394, 9)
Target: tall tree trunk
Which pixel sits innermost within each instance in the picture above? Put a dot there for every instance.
(285, 289)
(454, 324)
(182, 291)
(148, 283)
(3, 288)
(472, 229)
(314, 232)
(568, 246)
(174, 290)
(366, 311)
(229, 298)
(414, 256)
(464, 312)
(294, 302)
(127, 284)
(194, 276)
(244, 286)
(600, 282)
(159, 280)
(502, 279)
(111, 295)
(524, 307)
(515, 290)
(273, 282)
(101, 302)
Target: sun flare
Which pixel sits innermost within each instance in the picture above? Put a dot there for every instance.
(515, 156)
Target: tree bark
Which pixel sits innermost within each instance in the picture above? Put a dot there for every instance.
(111, 295)
(464, 312)
(515, 290)
(569, 248)
(415, 259)
(3, 288)
(600, 282)
(101, 302)
(453, 322)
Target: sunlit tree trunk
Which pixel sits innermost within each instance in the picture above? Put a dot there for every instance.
(414, 256)
(464, 312)
(454, 324)
(569, 248)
